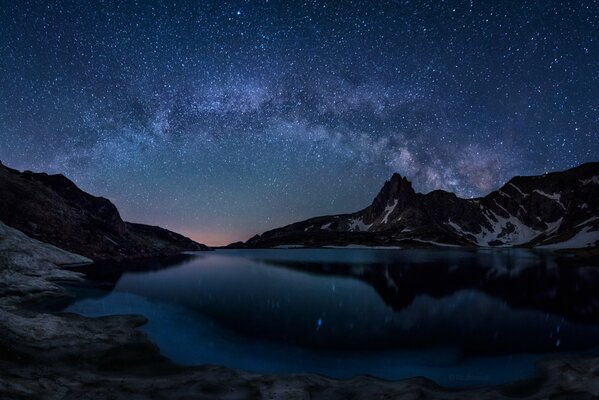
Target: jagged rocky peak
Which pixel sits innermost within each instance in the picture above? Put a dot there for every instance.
(396, 194)
(556, 210)
(397, 188)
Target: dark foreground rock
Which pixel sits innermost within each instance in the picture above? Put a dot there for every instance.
(54, 210)
(558, 210)
(67, 356)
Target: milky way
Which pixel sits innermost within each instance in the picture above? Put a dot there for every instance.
(223, 119)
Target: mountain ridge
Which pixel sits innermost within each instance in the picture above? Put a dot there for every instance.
(52, 209)
(541, 210)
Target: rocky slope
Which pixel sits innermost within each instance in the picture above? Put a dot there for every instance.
(53, 209)
(555, 210)
(67, 356)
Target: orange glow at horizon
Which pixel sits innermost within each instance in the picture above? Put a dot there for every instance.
(211, 237)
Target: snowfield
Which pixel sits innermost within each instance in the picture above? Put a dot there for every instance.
(584, 238)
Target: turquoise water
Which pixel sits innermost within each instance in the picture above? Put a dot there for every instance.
(461, 318)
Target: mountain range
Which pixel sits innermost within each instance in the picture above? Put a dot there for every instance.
(554, 210)
(52, 209)
(558, 210)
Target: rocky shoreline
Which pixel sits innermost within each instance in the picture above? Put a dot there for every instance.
(67, 356)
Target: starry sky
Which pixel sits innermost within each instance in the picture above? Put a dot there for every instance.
(221, 119)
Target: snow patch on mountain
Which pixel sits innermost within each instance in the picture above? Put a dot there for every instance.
(518, 189)
(326, 226)
(594, 179)
(588, 221)
(584, 238)
(552, 227)
(553, 196)
(461, 230)
(358, 225)
(388, 210)
(500, 206)
(435, 243)
(509, 231)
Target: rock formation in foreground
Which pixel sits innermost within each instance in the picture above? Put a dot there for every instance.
(51, 208)
(555, 210)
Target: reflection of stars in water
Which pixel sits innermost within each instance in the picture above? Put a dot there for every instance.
(555, 335)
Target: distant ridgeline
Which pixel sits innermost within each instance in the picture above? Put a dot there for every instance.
(51, 208)
(555, 210)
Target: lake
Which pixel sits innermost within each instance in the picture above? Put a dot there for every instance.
(463, 318)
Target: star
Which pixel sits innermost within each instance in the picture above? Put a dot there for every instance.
(223, 121)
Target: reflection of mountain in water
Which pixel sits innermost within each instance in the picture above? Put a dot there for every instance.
(522, 279)
(479, 302)
(102, 276)
(106, 274)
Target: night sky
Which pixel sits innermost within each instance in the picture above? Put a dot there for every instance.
(221, 120)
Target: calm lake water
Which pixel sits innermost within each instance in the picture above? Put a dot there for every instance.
(462, 318)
